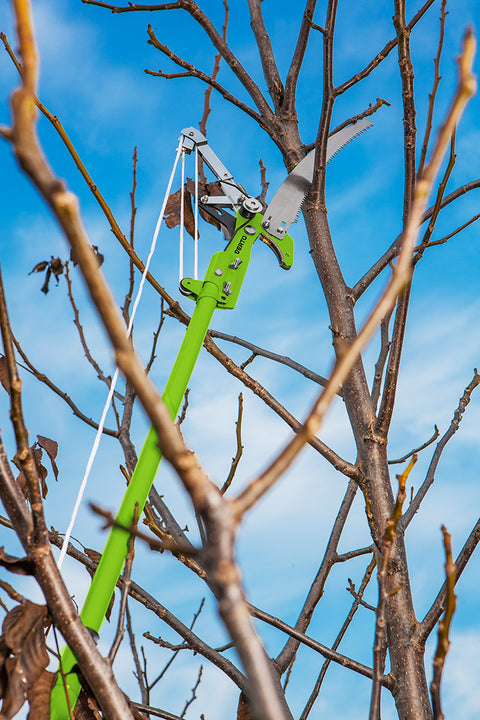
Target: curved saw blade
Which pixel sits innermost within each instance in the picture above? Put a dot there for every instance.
(287, 201)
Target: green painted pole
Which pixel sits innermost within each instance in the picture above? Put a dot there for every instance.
(116, 548)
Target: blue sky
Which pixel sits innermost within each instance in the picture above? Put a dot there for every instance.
(92, 78)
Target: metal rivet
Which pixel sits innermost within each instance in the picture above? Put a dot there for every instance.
(218, 272)
(250, 230)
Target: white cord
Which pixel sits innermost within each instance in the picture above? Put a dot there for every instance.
(195, 239)
(182, 221)
(101, 424)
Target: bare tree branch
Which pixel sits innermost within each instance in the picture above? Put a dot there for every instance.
(452, 429)
(439, 605)
(433, 94)
(444, 627)
(436, 433)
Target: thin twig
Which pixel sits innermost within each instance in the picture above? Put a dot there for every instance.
(194, 692)
(383, 53)
(459, 229)
(436, 433)
(126, 580)
(133, 646)
(216, 67)
(439, 605)
(159, 545)
(239, 453)
(444, 627)
(382, 359)
(452, 429)
(276, 357)
(81, 334)
(317, 646)
(133, 213)
(436, 208)
(436, 82)
(30, 367)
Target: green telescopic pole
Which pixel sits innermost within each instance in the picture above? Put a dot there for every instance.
(116, 548)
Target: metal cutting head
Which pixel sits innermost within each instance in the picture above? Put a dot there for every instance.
(287, 201)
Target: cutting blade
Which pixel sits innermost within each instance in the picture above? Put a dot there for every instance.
(286, 203)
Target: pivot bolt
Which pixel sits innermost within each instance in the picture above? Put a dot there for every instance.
(250, 207)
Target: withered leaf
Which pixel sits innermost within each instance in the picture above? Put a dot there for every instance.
(243, 709)
(20, 566)
(24, 637)
(39, 695)
(41, 469)
(51, 448)
(95, 249)
(173, 211)
(22, 484)
(4, 374)
(56, 266)
(98, 255)
(86, 707)
(93, 554)
(45, 286)
(39, 267)
(211, 189)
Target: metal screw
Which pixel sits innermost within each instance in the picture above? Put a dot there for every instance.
(251, 204)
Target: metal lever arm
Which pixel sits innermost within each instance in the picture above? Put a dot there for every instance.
(234, 193)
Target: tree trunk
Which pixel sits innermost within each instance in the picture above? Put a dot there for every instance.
(407, 663)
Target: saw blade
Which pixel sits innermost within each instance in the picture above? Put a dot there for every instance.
(287, 201)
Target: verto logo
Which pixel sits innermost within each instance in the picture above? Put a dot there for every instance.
(241, 243)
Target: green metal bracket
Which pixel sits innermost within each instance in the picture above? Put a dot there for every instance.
(219, 289)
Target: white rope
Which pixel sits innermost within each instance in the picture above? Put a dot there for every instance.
(182, 221)
(195, 239)
(101, 424)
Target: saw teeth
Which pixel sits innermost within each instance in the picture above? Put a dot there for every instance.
(347, 142)
(299, 209)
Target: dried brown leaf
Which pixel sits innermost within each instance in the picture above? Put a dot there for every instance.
(243, 709)
(95, 249)
(40, 267)
(93, 554)
(39, 696)
(51, 448)
(98, 255)
(23, 635)
(41, 469)
(212, 189)
(4, 374)
(48, 275)
(86, 707)
(22, 484)
(173, 211)
(20, 566)
(56, 266)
